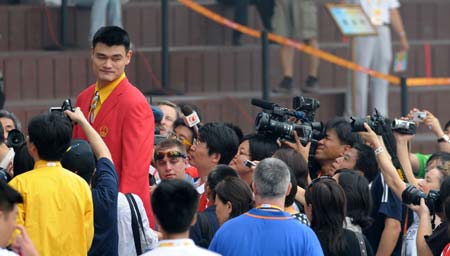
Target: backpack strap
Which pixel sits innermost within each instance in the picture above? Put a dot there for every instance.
(141, 225)
(134, 223)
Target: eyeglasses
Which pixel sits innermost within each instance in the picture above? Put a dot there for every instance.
(183, 141)
(169, 154)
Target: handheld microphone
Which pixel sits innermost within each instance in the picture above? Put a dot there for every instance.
(191, 118)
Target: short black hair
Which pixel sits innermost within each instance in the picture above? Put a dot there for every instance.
(174, 204)
(366, 161)
(221, 139)
(8, 197)
(51, 134)
(343, 130)
(112, 36)
(219, 173)
(260, 146)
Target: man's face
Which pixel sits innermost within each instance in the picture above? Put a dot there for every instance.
(347, 160)
(432, 181)
(329, 148)
(108, 62)
(170, 164)
(170, 115)
(199, 158)
(7, 225)
(8, 125)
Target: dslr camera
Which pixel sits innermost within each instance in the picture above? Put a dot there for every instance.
(376, 122)
(15, 139)
(281, 123)
(412, 195)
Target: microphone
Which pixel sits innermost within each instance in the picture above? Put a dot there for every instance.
(191, 118)
(263, 104)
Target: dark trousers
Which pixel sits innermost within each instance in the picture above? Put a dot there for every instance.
(264, 7)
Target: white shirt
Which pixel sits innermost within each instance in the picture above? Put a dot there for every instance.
(176, 247)
(377, 9)
(4, 252)
(126, 239)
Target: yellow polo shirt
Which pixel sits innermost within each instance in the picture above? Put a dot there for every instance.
(106, 91)
(57, 210)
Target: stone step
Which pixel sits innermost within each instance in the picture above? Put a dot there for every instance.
(31, 27)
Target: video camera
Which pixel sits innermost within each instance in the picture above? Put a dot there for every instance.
(378, 124)
(15, 139)
(279, 121)
(412, 195)
(67, 105)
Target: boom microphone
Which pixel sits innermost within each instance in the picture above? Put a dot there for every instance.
(263, 104)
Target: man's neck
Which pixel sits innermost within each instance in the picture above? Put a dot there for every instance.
(184, 235)
(278, 202)
(325, 168)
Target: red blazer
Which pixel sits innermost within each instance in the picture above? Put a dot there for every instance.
(126, 124)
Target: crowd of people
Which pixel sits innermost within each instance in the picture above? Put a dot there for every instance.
(114, 175)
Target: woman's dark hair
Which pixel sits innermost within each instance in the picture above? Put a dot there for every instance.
(290, 198)
(328, 203)
(219, 173)
(238, 193)
(260, 146)
(359, 200)
(296, 163)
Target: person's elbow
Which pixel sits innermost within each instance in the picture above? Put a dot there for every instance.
(393, 225)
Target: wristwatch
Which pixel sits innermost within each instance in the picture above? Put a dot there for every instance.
(444, 138)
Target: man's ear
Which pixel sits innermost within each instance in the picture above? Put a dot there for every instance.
(289, 189)
(128, 56)
(215, 157)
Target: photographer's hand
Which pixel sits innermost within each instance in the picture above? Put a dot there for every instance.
(76, 116)
(434, 124)
(297, 146)
(370, 137)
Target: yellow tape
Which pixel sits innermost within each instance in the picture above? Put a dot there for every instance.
(416, 81)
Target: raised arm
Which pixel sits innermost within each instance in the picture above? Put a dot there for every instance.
(384, 162)
(98, 145)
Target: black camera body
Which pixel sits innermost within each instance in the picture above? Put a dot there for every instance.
(282, 128)
(412, 195)
(376, 122)
(306, 105)
(278, 121)
(66, 105)
(15, 139)
(403, 126)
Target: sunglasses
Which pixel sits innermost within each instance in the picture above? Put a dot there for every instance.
(170, 154)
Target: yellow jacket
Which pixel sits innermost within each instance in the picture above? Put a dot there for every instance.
(57, 210)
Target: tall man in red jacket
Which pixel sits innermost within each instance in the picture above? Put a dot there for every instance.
(120, 113)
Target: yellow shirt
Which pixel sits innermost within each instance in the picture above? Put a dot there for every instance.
(106, 91)
(57, 210)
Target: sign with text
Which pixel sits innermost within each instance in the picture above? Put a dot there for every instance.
(351, 20)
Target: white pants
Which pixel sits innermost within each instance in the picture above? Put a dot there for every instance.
(374, 52)
(101, 11)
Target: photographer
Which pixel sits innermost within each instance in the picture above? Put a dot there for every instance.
(391, 177)
(6, 160)
(418, 160)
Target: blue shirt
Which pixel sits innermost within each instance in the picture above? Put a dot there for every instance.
(263, 232)
(105, 188)
(385, 205)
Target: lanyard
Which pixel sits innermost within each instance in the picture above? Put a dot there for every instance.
(269, 207)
